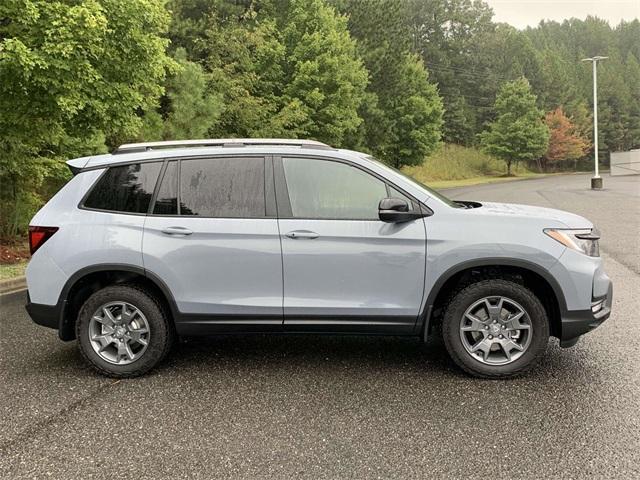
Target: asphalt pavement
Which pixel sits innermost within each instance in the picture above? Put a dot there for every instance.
(341, 407)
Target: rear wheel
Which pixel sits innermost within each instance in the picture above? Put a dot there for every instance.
(495, 328)
(123, 332)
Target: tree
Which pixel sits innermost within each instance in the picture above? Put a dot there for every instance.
(445, 34)
(632, 78)
(188, 109)
(565, 143)
(324, 77)
(499, 56)
(568, 82)
(518, 133)
(416, 116)
(283, 68)
(71, 73)
(403, 112)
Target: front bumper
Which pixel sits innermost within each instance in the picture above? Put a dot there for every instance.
(575, 323)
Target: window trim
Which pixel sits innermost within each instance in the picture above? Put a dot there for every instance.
(81, 205)
(283, 199)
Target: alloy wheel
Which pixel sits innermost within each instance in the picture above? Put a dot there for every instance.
(496, 330)
(119, 333)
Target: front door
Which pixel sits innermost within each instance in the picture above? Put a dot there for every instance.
(213, 239)
(344, 269)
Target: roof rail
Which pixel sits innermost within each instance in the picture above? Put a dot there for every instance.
(219, 142)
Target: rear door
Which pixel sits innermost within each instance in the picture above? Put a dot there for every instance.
(344, 269)
(213, 238)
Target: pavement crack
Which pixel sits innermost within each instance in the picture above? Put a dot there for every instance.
(37, 427)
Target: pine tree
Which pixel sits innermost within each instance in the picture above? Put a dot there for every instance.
(188, 110)
(518, 133)
(402, 111)
(416, 116)
(324, 77)
(284, 69)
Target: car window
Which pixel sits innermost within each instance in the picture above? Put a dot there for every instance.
(222, 187)
(126, 188)
(333, 190)
(167, 199)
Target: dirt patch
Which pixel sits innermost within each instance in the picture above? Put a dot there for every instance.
(13, 253)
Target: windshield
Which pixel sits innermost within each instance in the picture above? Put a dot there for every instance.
(418, 184)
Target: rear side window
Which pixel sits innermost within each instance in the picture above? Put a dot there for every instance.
(222, 187)
(127, 188)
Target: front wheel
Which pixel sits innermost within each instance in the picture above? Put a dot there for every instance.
(495, 329)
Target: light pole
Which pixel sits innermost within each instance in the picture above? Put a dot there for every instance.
(596, 181)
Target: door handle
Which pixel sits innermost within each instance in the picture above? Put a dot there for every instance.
(295, 234)
(176, 231)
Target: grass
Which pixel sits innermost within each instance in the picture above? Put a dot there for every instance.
(455, 166)
(12, 270)
(466, 182)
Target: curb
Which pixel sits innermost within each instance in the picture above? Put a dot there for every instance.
(13, 285)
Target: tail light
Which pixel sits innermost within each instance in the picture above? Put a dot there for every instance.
(39, 235)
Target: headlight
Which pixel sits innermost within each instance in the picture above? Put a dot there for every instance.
(582, 240)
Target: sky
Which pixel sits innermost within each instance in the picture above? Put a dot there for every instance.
(523, 13)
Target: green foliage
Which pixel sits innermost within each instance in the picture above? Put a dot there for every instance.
(455, 162)
(324, 78)
(568, 83)
(518, 133)
(445, 34)
(385, 76)
(403, 112)
(188, 109)
(285, 69)
(70, 73)
(415, 116)
(469, 58)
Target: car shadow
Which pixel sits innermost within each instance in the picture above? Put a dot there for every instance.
(310, 351)
(326, 355)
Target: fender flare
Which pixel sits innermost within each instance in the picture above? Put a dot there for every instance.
(486, 262)
(66, 325)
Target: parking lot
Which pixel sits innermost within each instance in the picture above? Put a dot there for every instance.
(336, 407)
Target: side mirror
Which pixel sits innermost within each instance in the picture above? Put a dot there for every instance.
(396, 210)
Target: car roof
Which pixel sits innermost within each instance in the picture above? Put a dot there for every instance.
(105, 160)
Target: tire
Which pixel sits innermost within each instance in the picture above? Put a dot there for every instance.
(142, 312)
(495, 335)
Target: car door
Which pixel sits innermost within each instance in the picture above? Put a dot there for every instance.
(213, 239)
(344, 269)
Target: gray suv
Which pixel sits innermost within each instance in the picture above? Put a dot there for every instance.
(167, 239)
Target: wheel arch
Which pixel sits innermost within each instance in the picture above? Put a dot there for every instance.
(88, 280)
(534, 276)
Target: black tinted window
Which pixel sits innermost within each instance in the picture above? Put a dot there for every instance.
(222, 187)
(167, 200)
(125, 189)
